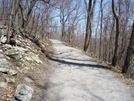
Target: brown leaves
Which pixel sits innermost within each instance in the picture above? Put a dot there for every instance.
(10, 93)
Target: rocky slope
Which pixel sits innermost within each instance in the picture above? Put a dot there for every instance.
(21, 66)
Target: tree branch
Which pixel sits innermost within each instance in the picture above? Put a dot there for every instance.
(113, 9)
(86, 4)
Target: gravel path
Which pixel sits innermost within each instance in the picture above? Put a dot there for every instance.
(76, 77)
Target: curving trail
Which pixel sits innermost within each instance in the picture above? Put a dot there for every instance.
(76, 77)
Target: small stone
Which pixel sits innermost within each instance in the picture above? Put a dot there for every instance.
(4, 70)
(23, 93)
(28, 80)
(3, 84)
(28, 58)
(10, 80)
(3, 39)
(37, 59)
(13, 72)
(7, 46)
(4, 63)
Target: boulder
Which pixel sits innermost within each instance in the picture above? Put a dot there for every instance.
(23, 93)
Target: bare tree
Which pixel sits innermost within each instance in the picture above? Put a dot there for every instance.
(90, 12)
(129, 62)
(114, 60)
(25, 17)
(65, 11)
(73, 20)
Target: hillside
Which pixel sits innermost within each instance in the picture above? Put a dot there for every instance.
(24, 63)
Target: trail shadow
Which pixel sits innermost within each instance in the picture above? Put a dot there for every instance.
(61, 61)
(80, 59)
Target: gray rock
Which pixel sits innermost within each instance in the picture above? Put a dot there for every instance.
(3, 84)
(4, 63)
(10, 80)
(12, 72)
(14, 54)
(7, 46)
(18, 43)
(3, 39)
(23, 93)
(28, 80)
(4, 66)
(4, 70)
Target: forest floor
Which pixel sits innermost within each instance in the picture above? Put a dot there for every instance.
(77, 77)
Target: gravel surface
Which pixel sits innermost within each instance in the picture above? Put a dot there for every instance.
(77, 77)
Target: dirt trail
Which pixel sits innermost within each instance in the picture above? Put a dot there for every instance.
(76, 77)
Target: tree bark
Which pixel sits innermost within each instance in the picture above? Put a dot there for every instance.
(10, 20)
(63, 31)
(16, 17)
(101, 11)
(129, 62)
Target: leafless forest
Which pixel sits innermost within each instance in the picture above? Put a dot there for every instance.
(103, 28)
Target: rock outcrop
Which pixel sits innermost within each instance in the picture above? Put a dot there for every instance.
(20, 59)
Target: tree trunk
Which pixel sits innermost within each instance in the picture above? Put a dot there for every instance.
(10, 20)
(95, 46)
(129, 62)
(111, 42)
(16, 17)
(88, 34)
(63, 32)
(90, 11)
(114, 59)
(101, 11)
